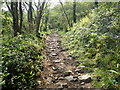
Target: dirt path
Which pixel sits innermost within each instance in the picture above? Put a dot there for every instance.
(60, 70)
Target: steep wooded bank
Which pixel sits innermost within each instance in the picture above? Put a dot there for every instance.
(95, 41)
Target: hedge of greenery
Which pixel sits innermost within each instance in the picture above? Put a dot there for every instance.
(22, 61)
(95, 40)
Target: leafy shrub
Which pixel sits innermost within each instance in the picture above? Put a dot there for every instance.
(22, 58)
(6, 30)
(95, 41)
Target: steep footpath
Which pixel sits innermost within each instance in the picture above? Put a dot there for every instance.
(60, 70)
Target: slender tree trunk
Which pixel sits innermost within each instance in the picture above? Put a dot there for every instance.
(13, 8)
(96, 3)
(65, 14)
(46, 20)
(40, 11)
(21, 15)
(74, 11)
(14, 11)
(30, 16)
(16, 19)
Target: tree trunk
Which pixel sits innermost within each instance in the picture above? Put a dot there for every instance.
(16, 19)
(14, 11)
(74, 11)
(96, 3)
(13, 8)
(40, 11)
(65, 14)
(30, 16)
(46, 20)
(21, 15)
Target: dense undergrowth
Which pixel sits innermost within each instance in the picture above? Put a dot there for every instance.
(95, 41)
(22, 61)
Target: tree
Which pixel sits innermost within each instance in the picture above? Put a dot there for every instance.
(45, 19)
(65, 14)
(21, 14)
(96, 3)
(30, 16)
(74, 11)
(39, 15)
(13, 8)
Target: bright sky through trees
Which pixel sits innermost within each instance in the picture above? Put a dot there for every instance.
(53, 3)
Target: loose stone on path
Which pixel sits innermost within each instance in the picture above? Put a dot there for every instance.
(60, 70)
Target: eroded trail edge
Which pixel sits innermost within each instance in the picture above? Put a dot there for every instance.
(60, 70)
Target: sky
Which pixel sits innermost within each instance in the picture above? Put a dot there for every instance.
(53, 3)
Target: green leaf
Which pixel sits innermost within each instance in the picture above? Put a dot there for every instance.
(113, 71)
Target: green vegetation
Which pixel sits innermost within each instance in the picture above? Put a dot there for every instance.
(22, 60)
(57, 19)
(22, 51)
(90, 33)
(95, 41)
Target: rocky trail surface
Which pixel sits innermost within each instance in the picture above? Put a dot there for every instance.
(60, 70)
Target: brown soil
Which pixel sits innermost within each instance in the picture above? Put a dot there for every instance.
(60, 70)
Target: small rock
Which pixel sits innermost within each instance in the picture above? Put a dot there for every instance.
(74, 80)
(54, 54)
(50, 75)
(56, 78)
(75, 63)
(57, 43)
(55, 72)
(57, 57)
(70, 58)
(79, 74)
(63, 49)
(64, 58)
(61, 78)
(58, 46)
(67, 73)
(85, 78)
(57, 61)
(61, 63)
(56, 35)
(82, 83)
(65, 85)
(52, 49)
(69, 78)
(62, 85)
(54, 68)
(54, 40)
(81, 67)
(75, 76)
(80, 70)
(49, 64)
(60, 70)
(39, 82)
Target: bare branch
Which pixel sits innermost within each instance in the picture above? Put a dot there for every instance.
(8, 7)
